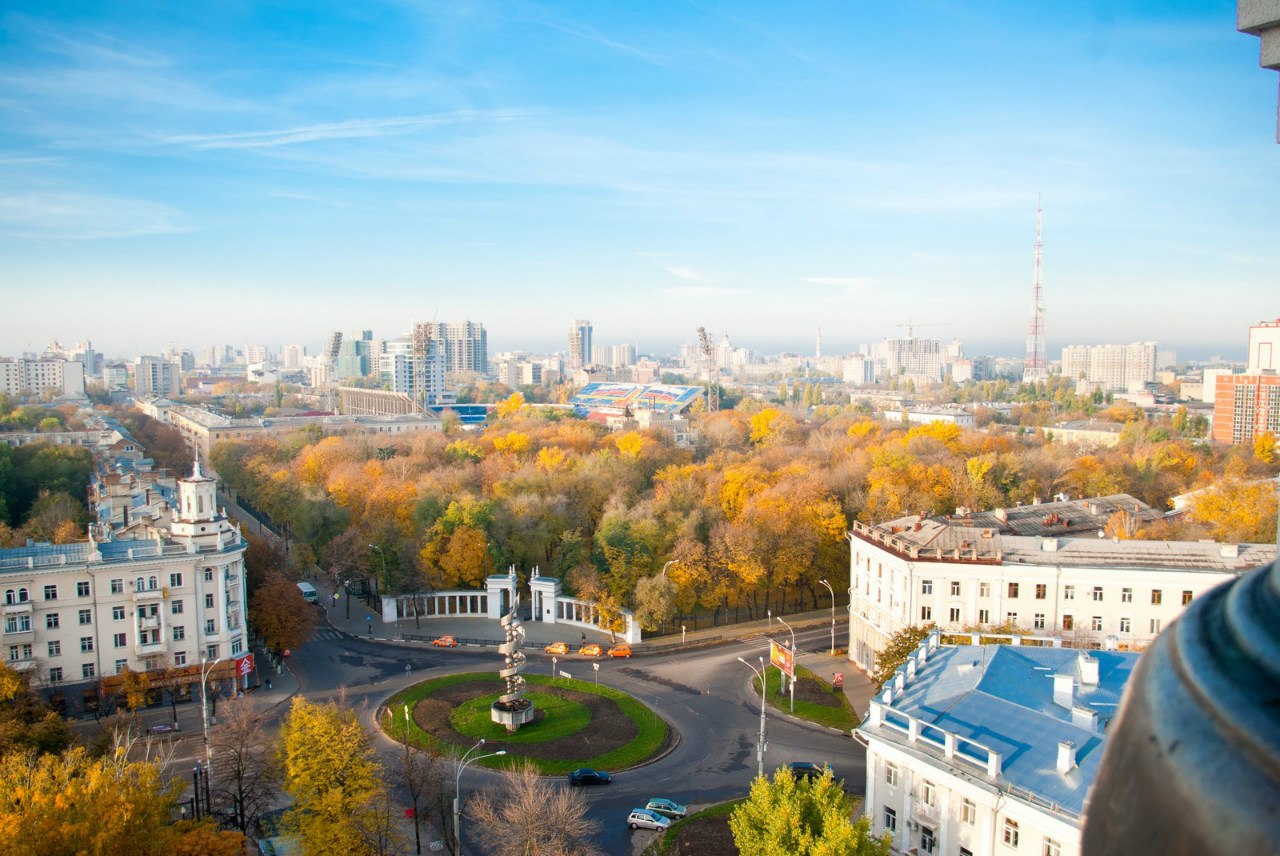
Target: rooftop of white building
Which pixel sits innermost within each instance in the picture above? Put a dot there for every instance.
(1004, 703)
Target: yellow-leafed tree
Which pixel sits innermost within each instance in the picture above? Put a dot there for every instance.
(333, 775)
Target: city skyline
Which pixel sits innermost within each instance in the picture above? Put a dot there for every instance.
(268, 175)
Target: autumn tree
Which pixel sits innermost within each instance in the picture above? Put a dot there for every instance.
(246, 774)
(75, 803)
(896, 651)
(531, 815)
(332, 772)
(802, 817)
(26, 722)
(1237, 510)
(280, 615)
(655, 601)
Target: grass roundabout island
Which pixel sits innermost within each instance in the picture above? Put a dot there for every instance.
(576, 723)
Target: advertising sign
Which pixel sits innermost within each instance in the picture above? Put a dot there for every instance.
(783, 658)
(244, 666)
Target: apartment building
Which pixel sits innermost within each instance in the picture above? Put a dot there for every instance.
(77, 615)
(1058, 580)
(1244, 406)
(985, 750)
(64, 378)
(1111, 368)
(156, 376)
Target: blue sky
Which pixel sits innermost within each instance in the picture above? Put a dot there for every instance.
(247, 172)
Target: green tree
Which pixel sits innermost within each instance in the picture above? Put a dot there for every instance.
(655, 601)
(332, 772)
(897, 650)
(806, 817)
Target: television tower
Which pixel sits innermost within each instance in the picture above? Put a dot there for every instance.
(1036, 368)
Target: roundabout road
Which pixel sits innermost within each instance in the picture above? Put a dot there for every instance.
(705, 695)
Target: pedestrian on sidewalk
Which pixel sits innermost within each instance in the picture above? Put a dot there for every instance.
(370, 628)
(584, 638)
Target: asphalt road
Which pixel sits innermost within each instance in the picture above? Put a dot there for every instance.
(705, 695)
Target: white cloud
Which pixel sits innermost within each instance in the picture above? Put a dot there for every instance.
(82, 216)
(693, 292)
(686, 273)
(350, 129)
(843, 281)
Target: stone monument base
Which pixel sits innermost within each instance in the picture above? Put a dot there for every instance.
(512, 715)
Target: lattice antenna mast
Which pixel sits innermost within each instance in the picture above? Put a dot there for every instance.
(709, 358)
(1036, 366)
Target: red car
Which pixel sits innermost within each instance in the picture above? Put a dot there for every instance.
(445, 642)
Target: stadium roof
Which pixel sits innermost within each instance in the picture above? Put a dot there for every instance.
(635, 396)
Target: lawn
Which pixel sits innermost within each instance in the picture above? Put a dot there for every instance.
(816, 700)
(568, 720)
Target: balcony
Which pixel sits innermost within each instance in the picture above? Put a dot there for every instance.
(152, 623)
(24, 608)
(26, 665)
(149, 595)
(150, 649)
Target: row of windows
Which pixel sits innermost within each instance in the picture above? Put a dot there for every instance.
(1010, 835)
(1068, 592)
(83, 587)
(89, 670)
(1038, 621)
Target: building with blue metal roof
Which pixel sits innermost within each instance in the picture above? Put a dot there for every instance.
(987, 749)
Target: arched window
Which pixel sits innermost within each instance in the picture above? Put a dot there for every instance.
(200, 504)
(140, 584)
(23, 596)
(153, 583)
(10, 596)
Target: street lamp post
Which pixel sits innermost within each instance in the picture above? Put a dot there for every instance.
(793, 663)
(760, 740)
(833, 615)
(205, 668)
(382, 556)
(460, 765)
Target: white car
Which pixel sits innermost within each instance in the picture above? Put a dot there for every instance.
(642, 818)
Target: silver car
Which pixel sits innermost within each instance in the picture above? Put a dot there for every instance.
(642, 818)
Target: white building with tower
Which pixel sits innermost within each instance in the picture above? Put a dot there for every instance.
(78, 615)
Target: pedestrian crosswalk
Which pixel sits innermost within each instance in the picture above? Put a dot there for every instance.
(328, 634)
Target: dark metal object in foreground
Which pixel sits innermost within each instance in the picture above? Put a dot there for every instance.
(1193, 761)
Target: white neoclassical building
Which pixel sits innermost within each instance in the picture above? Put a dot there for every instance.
(76, 615)
(989, 750)
(1039, 569)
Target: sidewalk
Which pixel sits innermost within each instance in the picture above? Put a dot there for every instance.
(858, 688)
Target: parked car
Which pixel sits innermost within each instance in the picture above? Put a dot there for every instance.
(666, 807)
(557, 648)
(620, 651)
(642, 818)
(808, 769)
(445, 642)
(592, 650)
(588, 776)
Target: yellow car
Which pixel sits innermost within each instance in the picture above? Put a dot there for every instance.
(590, 650)
(557, 648)
(445, 642)
(620, 651)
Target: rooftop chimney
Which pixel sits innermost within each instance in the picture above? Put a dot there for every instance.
(1088, 669)
(1084, 717)
(1066, 756)
(1002, 515)
(1229, 551)
(1049, 545)
(1064, 691)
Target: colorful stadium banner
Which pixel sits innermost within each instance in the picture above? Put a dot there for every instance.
(637, 396)
(783, 658)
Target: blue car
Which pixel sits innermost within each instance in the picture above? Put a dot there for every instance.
(587, 776)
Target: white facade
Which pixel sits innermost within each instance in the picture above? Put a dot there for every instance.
(1082, 590)
(292, 356)
(1264, 348)
(156, 376)
(1115, 368)
(64, 378)
(75, 614)
(579, 345)
(916, 358)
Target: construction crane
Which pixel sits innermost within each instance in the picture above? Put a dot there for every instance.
(911, 325)
(708, 356)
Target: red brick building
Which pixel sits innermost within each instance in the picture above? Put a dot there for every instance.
(1244, 406)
